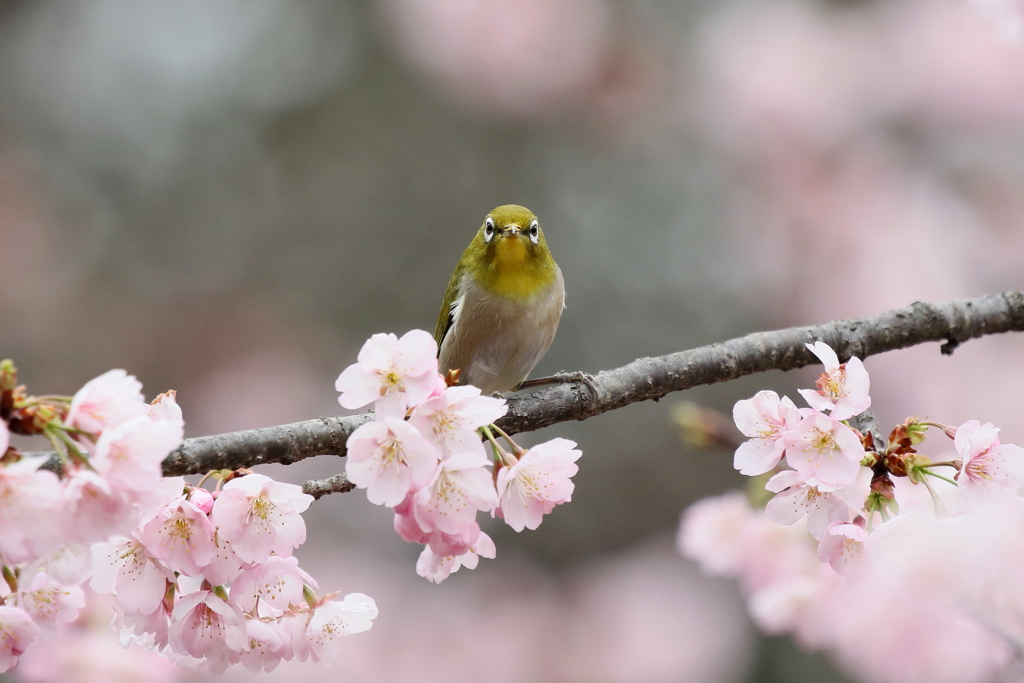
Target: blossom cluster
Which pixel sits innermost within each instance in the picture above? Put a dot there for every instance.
(867, 549)
(204, 578)
(422, 455)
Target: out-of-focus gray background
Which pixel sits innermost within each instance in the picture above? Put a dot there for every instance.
(227, 198)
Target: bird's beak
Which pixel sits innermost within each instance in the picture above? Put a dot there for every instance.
(513, 230)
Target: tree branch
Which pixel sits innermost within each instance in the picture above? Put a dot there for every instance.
(318, 488)
(645, 379)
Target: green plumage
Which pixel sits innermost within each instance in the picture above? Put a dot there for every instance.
(503, 303)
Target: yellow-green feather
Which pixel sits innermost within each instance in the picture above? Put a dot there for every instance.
(444, 318)
(511, 270)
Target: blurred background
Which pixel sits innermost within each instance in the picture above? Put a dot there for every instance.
(228, 197)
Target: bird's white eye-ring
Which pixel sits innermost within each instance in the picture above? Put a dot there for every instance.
(534, 232)
(488, 229)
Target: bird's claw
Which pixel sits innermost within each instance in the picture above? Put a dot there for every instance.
(563, 378)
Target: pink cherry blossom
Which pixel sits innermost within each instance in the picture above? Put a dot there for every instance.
(711, 532)
(389, 458)
(842, 546)
(405, 523)
(48, 602)
(825, 452)
(203, 625)
(106, 401)
(842, 389)
(992, 471)
(766, 419)
(152, 502)
(403, 369)
(276, 582)
(145, 630)
(317, 636)
(5, 437)
(17, 632)
(165, 408)
(86, 653)
(440, 542)
(931, 600)
(452, 419)
(181, 536)
(93, 509)
(436, 568)
(202, 499)
(126, 569)
(796, 498)
(538, 482)
(462, 486)
(70, 563)
(129, 455)
(260, 516)
(30, 499)
(270, 642)
(225, 564)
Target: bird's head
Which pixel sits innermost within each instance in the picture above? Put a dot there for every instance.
(511, 238)
(509, 252)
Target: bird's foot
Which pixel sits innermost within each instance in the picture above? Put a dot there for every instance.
(562, 378)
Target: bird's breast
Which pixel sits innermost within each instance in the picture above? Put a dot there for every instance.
(497, 339)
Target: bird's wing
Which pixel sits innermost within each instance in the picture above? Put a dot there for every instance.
(446, 316)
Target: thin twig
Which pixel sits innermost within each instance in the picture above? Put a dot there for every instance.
(318, 488)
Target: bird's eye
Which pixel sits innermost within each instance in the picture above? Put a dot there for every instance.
(488, 229)
(534, 232)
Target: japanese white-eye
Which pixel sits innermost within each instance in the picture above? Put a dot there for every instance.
(503, 303)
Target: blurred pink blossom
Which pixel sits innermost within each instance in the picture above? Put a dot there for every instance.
(518, 57)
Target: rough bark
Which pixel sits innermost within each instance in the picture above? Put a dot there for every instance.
(951, 323)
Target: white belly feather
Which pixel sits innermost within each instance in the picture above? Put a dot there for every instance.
(497, 341)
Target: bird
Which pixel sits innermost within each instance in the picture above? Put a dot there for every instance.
(503, 303)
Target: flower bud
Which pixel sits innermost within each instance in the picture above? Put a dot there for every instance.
(916, 467)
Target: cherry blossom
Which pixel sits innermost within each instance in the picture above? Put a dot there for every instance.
(766, 419)
(842, 546)
(145, 630)
(992, 471)
(225, 564)
(69, 563)
(452, 419)
(204, 625)
(440, 542)
(106, 401)
(125, 568)
(129, 455)
(5, 437)
(317, 635)
(436, 568)
(202, 499)
(29, 501)
(48, 602)
(711, 532)
(17, 632)
(165, 408)
(796, 498)
(538, 482)
(462, 486)
(270, 642)
(93, 509)
(181, 536)
(403, 369)
(389, 458)
(842, 389)
(825, 452)
(277, 582)
(260, 516)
